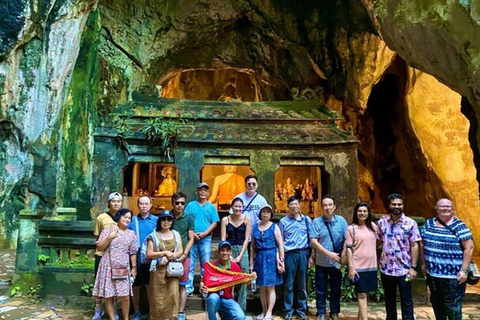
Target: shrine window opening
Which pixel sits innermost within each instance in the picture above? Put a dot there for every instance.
(157, 180)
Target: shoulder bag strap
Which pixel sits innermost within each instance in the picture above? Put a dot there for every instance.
(246, 207)
(331, 236)
(137, 229)
(451, 230)
(306, 226)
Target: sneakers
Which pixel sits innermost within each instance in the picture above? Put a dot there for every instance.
(288, 316)
(321, 317)
(333, 316)
(181, 316)
(304, 317)
(98, 315)
(137, 315)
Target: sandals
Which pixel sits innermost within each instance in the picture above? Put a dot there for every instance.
(268, 318)
(261, 316)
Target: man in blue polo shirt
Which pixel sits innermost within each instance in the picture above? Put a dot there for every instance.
(206, 217)
(142, 225)
(294, 230)
(323, 230)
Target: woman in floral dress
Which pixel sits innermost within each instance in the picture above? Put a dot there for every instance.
(119, 251)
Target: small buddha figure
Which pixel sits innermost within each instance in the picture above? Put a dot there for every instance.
(288, 189)
(279, 192)
(307, 192)
(168, 185)
(226, 186)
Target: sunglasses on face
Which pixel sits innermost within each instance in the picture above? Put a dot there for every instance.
(251, 184)
(180, 203)
(166, 219)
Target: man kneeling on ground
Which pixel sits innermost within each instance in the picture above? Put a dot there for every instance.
(222, 301)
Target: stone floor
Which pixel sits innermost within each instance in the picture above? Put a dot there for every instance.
(80, 308)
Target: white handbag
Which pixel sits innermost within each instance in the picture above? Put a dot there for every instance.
(174, 269)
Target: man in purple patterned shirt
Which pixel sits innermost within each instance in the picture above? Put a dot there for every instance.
(398, 262)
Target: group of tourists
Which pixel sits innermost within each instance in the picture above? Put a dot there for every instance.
(145, 250)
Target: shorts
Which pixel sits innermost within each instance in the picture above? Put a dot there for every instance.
(97, 263)
(186, 269)
(143, 275)
(367, 282)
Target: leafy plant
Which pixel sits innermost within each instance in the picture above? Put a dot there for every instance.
(14, 290)
(87, 288)
(348, 289)
(160, 129)
(34, 290)
(43, 258)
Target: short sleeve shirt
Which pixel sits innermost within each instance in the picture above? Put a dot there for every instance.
(295, 232)
(318, 230)
(103, 220)
(145, 226)
(182, 225)
(396, 259)
(203, 215)
(252, 205)
(442, 249)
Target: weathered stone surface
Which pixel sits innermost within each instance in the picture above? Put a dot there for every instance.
(442, 132)
(51, 98)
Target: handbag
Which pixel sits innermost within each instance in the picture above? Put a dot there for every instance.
(473, 276)
(120, 273)
(342, 252)
(174, 269)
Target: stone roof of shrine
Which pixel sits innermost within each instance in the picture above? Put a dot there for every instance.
(236, 122)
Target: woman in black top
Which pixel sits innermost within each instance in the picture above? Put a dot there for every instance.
(236, 228)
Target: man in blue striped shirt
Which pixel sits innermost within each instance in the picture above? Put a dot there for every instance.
(447, 247)
(294, 230)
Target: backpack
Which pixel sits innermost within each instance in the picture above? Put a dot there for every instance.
(143, 249)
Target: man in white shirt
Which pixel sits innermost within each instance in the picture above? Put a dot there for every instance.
(252, 201)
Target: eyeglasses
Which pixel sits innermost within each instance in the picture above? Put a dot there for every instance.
(251, 184)
(179, 203)
(444, 207)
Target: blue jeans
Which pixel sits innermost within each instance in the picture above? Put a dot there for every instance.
(328, 276)
(446, 296)
(390, 284)
(202, 248)
(241, 289)
(296, 264)
(228, 309)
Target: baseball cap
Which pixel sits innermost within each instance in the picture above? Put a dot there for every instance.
(166, 213)
(224, 243)
(114, 195)
(202, 185)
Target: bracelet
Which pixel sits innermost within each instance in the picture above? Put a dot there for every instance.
(134, 266)
(464, 270)
(282, 259)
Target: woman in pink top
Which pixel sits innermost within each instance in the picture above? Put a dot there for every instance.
(362, 258)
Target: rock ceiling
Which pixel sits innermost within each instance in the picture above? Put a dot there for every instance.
(395, 70)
